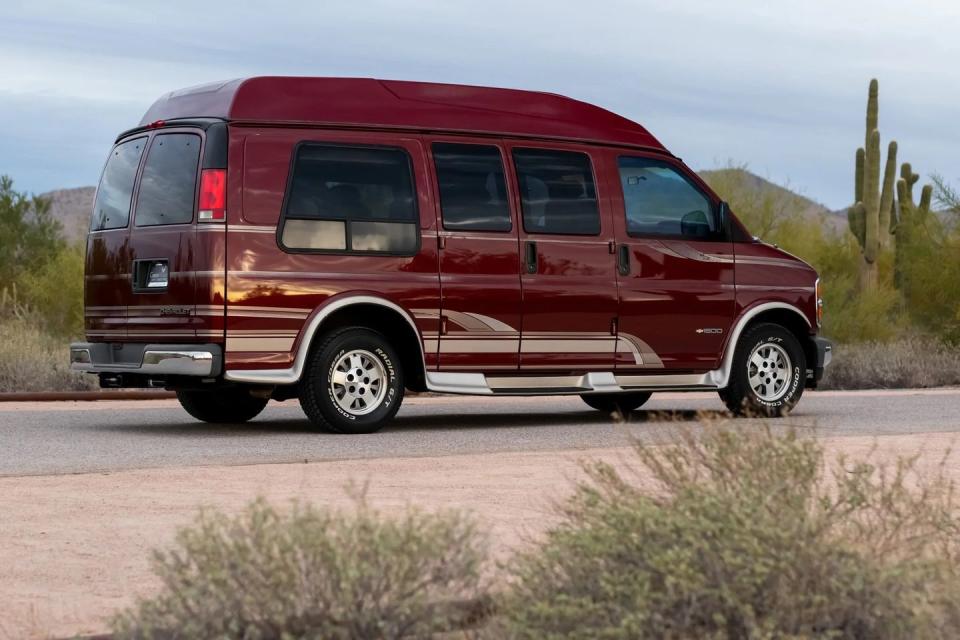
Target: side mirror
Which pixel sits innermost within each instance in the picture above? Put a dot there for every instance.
(695, 225)
(723, 215)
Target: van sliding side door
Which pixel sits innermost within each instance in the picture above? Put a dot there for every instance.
(479, 255)
(567, 270)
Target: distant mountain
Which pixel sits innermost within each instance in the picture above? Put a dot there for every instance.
(835, 220)
(72, 207)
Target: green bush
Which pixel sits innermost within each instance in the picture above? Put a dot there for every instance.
(743, 535)
(29, 235)
(933, 271)
(54, 292)
(311, 574)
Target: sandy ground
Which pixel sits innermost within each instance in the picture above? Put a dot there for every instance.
(75, 548)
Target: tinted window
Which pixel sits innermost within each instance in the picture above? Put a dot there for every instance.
(660, 201)
(557, 192)
(112, 207)
(351, 199)
(169, 183)
(473, 191)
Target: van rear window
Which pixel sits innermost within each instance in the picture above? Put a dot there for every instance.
(111, 210)
(168, 186)
(345, 198)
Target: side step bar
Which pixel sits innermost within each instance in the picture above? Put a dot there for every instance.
(599, 382)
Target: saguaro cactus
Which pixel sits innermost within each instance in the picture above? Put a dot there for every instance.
(871, 218)
(913, 224)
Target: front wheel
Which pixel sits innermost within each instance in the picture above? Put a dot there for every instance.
(353, 382)
(622, 403)
(221, 406)
(768, 375)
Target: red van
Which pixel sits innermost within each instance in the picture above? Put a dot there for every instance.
(341, 240)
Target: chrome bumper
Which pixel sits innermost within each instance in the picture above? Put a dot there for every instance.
(204, 360)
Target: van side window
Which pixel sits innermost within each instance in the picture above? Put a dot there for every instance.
(660, 201)
(112, 207)
(168, 186)
(345, 198)
(473, 190)
(557, 192)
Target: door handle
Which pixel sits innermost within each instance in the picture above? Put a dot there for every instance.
(531, 256)
(623, 260)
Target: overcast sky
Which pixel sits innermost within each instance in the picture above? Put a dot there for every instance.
(780, 86)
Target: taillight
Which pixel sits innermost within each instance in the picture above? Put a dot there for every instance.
(819, 302)
(212, 205)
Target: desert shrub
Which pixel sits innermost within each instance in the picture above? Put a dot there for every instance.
(913, 362)
(311, 574)
(54, 292)
(743, 535)
(29, 235)
(33, 360)
(932, 269)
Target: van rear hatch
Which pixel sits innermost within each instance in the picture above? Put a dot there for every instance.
(153, 272)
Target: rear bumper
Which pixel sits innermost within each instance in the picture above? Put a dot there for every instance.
(203, 360)
(822, 351)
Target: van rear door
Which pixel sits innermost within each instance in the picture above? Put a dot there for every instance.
(107, 269)
(161, 307)
(164, 253)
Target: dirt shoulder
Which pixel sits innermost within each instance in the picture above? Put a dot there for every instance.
(75, 548)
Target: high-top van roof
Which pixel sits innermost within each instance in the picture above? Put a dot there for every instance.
(365, 102)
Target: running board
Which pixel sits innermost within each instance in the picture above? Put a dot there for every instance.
(599, 382)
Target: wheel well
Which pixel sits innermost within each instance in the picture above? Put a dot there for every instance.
(793, 322)
(391, 324)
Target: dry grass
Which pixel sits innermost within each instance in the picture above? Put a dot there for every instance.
(31, 360)
(909, 363)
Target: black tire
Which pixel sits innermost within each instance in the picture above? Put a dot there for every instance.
(622, 403)
(221, 406)
(320, 395)
(744, 400)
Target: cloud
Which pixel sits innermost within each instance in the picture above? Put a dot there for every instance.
(779, 85)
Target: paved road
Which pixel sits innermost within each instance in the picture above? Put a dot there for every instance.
(54, 438)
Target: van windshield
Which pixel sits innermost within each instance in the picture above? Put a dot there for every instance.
(111, 210)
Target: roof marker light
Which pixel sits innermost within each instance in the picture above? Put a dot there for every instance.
(156, 124)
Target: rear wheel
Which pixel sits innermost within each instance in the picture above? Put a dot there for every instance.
(622, 403)
(353, 382)
(221, 406)
(769, 371)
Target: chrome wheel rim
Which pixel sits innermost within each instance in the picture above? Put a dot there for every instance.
(359, 382)
(769, 371)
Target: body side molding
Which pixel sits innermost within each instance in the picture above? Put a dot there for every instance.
(603, 382)
(292, 374)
